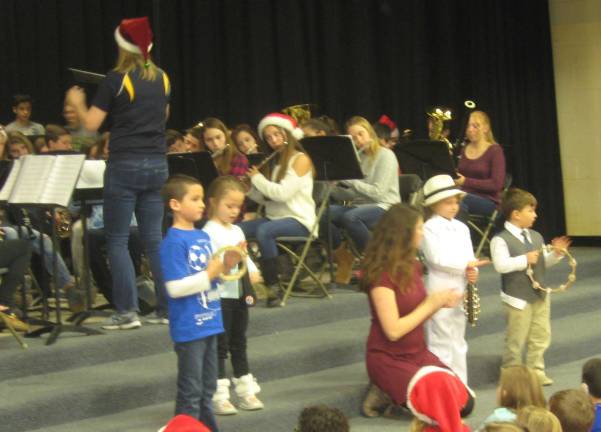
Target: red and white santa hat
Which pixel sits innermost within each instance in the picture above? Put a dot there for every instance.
(281, 120)
(184, 423)
(436, 396)
(135, 36)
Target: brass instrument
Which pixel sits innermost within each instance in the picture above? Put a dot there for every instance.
(63, 222)
(438, 116)
(300, 112)
(243, 267)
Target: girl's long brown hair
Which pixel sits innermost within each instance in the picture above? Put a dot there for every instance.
(286, 154)
(222, 162)
(390, 249)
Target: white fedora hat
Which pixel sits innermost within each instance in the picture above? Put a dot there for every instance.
(438, 188)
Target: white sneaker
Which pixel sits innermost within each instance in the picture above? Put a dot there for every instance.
(250, 403)
(224, 407)
(155, 318)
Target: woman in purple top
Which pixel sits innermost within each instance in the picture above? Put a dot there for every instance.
(481, 167)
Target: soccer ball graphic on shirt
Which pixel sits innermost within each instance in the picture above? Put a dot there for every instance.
(198, 257)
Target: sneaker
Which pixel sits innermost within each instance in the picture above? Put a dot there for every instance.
(544, 379)
(123, 322)
(154, 318)
(250, 403)
(224, 407)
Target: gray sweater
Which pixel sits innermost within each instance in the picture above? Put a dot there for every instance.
(379, 187)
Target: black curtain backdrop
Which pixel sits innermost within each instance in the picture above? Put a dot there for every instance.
(239, 60)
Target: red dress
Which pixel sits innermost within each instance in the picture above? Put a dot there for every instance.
(391, 365)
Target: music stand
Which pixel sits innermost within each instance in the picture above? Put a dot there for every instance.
(198, 165)
(86, 77)
(334, 158)
(426, 158)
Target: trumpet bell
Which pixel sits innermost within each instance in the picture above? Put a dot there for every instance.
(300, 112)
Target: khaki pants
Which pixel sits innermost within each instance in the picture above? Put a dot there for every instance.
(530, 328)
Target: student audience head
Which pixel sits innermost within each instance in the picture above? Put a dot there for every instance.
(226, 197)
(321, 418)
(18, 145)
(519, 207)
(537, 419)
(574, 409)
(175, 142)
(363, 134)
(246, 139)
(393, 250)
(184, 196)
(58, 138)
(436, 396)
(519, 387)
(502, 427)
(591, 378)
(22, 107)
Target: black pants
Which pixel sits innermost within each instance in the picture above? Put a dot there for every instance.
(233, 340)
(15, 255)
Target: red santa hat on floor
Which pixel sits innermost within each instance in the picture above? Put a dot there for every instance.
(436, 397)
(184, 423)
(281, 120)
(135, 36)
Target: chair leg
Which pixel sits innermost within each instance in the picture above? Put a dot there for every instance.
(12, 330)
(303, 265)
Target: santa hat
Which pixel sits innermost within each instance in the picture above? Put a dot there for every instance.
(135, 36)
(436, 397)
(184, 423)
(281, 120)
(387, 121)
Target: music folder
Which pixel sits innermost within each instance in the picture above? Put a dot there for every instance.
(198, 165)
(426, 158)
(334, 157)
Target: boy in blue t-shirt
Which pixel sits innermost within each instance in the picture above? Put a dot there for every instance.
(194, 306)
(591, 381)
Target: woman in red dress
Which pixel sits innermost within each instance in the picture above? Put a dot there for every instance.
(396, 348)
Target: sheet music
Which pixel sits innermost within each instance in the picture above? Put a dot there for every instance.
(10, 181)
(92, 175)
(61, 180)
(31, 179)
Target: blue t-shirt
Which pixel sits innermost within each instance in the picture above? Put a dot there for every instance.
(597, 423)
(138, 111)
(197, 316)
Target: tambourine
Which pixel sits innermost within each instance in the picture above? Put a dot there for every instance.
(241, 266)
(571, 277)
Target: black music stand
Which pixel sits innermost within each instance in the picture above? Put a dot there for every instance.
(198, 165)
(426, 158)
(334, 158)
(26, 199)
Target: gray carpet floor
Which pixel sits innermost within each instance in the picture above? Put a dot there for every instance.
(309, 352)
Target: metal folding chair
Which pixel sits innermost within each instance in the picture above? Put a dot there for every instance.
(483, 225)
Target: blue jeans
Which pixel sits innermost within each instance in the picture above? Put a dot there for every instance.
(266, 231)
(197, 379)
(63, 276)
(356, 221)
(474, 204)
(133, 185)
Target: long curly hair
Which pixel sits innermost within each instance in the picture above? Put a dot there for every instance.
(391, 249)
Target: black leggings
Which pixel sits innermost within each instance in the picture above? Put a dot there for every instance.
(233, 340)
(15, 255)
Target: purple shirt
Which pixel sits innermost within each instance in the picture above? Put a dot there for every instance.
(484, 176)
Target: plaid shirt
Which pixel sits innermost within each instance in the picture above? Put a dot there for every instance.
(238, 166)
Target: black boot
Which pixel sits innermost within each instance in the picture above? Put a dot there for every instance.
(269, 269)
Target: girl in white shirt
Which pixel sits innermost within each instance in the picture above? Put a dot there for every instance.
(449, 257)
(286, 193)
(226, 196)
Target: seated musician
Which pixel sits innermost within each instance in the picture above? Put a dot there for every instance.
(286, 193)
(369, 198)
(246, 139)
(193, 139)
(481, 167)
(216, 138)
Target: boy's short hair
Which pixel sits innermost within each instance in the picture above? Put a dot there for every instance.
(21, 98)
(574, 409)
(53, 132)
(171, 136)
(176, 187)
(322, 418)
(515, 200)
(591, 376)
